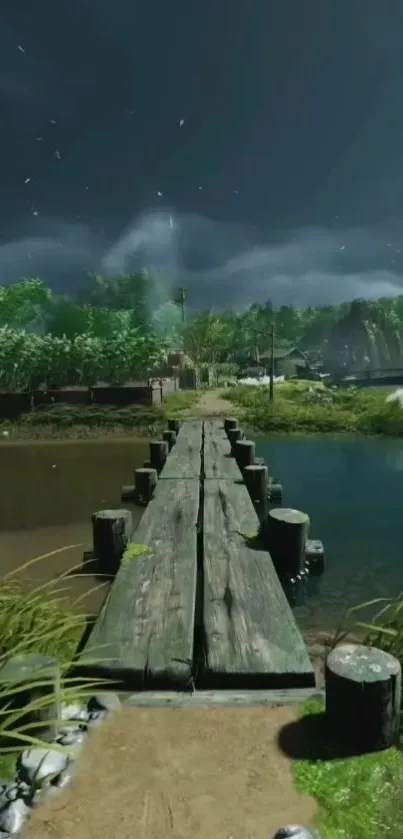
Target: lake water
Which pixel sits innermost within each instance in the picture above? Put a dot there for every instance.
(48, 491)
(351, 489)
(353, 493)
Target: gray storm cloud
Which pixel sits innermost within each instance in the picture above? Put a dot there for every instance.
(220, 264)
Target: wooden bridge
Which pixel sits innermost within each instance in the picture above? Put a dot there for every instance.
(198, 605)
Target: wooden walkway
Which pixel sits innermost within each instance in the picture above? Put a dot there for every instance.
(198, 605)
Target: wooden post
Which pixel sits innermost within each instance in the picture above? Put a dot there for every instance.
(174, 425)
(146, 464)
(111, 531)
(234, 434)
(315, 556)
(275, 490)
(158, 454)
(170, 438)
(127, 493)
(230, 423)
(286, 532)
(41, 676)
(257, 480)
(363, 690)
(145, 481)
(244, 451)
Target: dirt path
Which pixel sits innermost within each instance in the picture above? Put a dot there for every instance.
(160, 773)
(212, 404)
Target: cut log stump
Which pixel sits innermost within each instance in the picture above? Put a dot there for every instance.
(363, 690)
(32, 678)
(174, 425)
(111, 531)
(234, 434)
(257, 480)
(244, 451)
(170, 437)
(145, 481)
(285, 535)
(230, 423)
(158, 454)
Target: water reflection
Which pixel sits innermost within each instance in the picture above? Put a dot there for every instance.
(353, 493)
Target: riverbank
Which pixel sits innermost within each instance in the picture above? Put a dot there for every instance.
(309, 407)
(68, 422)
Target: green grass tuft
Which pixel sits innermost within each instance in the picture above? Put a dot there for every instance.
(358, 798)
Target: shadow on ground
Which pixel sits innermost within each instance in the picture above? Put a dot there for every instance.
(308, 738)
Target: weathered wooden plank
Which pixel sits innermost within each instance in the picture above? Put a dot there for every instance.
(144, 633)
(252, 639)
(184, 461)
(217, 460)
(214, 699)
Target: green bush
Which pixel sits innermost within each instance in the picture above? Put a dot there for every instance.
(308, 407)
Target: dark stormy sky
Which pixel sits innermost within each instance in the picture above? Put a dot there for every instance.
(284, 180)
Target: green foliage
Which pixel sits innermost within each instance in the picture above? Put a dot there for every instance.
(23, 303)
(38, 619)
(360, 797)
(310, 407)
(28, 360)
(133, 551)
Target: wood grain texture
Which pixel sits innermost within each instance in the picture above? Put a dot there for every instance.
(184, 460)
(144, 633)
(252, 639)
(216, 699)
(217, 460)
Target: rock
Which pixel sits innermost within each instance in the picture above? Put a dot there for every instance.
(73, 743)
(38, 766)
(293, 831)
(13, 816)
(96, 717)
(108, 702)
(75, 711)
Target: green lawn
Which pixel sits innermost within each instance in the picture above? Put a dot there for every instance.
(358, 797)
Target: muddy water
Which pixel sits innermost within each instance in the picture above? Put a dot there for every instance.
(48, 491)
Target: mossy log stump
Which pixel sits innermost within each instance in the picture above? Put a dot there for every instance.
(363, 690)
(285, 534)
(111, 531)
(37, 679)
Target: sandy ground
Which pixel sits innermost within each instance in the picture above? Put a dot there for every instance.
(158, 773)
(212, 404)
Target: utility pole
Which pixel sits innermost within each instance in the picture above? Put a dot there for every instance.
(182, 298)
(271, 386)
(271, 334)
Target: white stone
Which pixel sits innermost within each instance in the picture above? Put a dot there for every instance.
(293, 831)
(14, 816)
(41, 765)
(73, 744)
(74, 711)
(105, 702)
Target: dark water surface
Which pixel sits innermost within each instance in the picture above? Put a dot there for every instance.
(48, 491)
(351, 489)
(353, 493)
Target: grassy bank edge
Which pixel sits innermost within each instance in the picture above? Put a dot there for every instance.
(358, 797)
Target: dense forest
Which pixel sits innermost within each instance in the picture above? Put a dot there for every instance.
(122, 327)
